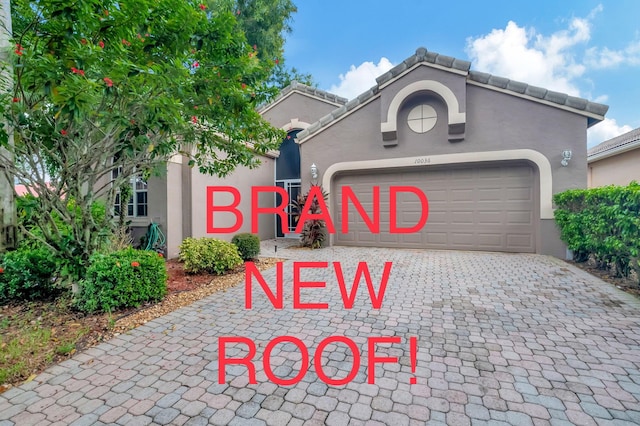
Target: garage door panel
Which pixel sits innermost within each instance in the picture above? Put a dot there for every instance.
(461, 217)
(520, 218)
(489, 194)
(472, 208)
(519, 194)
(519, 240)
(490, 241)
(490, 217)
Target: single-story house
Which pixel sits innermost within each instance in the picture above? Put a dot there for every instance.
(488, 153)
(615, 161)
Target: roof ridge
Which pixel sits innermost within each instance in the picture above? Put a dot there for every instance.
(422, 55)
(303, 88)
(615, 142)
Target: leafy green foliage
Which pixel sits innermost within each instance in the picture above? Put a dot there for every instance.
(59, 233)
(122, 279)
(604, 223)
(208, 255)
(248, 245)
(104, 90)
(265, 23)
(28, 274)
(314, 231)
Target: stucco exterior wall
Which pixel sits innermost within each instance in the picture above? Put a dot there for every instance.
(494, 121)
(156, 209)
(243, 179)
(619, 169)
(304, 108)
(174, 190)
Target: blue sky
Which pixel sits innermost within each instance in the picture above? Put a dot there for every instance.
(585, 48)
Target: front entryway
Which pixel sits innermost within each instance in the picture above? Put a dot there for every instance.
(288, 177)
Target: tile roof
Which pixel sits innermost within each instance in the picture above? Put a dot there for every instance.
(463, 67)
(618, 144)
(303, 88)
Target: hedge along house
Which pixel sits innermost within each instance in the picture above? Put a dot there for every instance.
(489, 154)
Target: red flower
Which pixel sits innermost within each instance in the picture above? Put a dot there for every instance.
(63, 132)
(108, 81)
(126, 42)
(244, 86)
(202, 7)
(194, 119)
(106, 12)
(16, 99)
(160, 255)
(277, 61)
(101, 44)
(19, 49)
(135, 264)
(77, 71)
(1, 270)
(196, 64)
(83, 41)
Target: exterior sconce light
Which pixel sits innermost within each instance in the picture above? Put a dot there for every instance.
(566, 156)
(314, 171)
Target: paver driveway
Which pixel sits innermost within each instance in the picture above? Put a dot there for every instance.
(502, 339)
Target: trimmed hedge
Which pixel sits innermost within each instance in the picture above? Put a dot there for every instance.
(248, 245)
(208, 255)
(122, 279)
(28, 274)
(604, 223)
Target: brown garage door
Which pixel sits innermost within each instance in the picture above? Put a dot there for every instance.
(470, 208)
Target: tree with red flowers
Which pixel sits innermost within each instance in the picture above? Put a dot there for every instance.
(104, 85)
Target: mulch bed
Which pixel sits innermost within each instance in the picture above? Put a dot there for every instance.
(66, 323)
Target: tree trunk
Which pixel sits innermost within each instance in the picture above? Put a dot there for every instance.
(8, 221)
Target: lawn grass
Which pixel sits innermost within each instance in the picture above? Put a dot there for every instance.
(35, 334)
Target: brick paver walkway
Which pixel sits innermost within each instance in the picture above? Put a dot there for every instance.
(502, 339)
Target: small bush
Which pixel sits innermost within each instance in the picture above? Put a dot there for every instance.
(248, 245)
(208, 255)
(602, 223)
(122, 279)
(28, 274)
(314, 231)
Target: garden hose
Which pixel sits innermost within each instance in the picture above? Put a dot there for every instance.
(155, 237)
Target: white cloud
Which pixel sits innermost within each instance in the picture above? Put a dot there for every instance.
(606, 58)
(524, 55)
(360, 79)
(557, 62)
(605, 130)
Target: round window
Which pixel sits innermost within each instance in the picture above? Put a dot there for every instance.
(422, 118)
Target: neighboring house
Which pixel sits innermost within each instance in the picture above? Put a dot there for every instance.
(615, 161)
(487, 152)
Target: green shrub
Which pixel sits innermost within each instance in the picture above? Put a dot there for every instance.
(604, 223)
(60, 231)
(314, 231)
(28, 274)
(248, 245)
(122, 279)
(208, 255)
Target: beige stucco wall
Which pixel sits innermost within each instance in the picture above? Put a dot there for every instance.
(243, 179)
(297, 106)
(619, 169)
(174, 190)
(494, 121)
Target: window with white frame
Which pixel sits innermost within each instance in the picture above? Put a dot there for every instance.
(137, 205)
